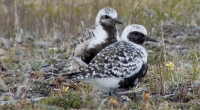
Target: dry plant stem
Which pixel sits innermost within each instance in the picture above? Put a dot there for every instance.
(52, 71)
(163, 41)
(16, 17)
(3, 85)
(102, 102)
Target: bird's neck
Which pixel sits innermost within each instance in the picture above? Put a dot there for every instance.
(111, 32)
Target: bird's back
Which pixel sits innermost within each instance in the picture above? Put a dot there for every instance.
(120, 59)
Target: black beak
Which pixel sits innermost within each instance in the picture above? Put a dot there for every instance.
(118, 21)
(147, 38)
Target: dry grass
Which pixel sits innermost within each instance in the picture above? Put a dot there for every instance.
(54, 23)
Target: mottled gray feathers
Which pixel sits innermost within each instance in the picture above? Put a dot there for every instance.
(119, 59)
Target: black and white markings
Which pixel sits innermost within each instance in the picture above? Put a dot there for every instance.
(94, 39)
(119, 65)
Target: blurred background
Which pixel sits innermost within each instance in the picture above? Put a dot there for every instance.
(63, 18)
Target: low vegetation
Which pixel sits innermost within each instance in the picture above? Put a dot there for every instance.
(38, 33)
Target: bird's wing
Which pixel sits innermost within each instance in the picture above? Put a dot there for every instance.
(133, 80)
(144, 69)
(119, 59)
(83, 42)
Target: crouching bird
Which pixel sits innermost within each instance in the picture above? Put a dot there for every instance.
(119, 65)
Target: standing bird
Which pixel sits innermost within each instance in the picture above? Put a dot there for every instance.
(119, 65)
(96, 38)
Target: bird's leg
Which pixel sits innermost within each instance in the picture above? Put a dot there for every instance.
(110, 93)
(113, 92)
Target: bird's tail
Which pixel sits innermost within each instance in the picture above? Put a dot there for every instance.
(71, 76)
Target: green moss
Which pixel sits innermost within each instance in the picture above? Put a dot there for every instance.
(193, 39)
(70, 101)
(6, 98)
(8, 107)
(192, 105)
(8, 80)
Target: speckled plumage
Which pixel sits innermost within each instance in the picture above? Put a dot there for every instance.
(94, 39)
(119, 65)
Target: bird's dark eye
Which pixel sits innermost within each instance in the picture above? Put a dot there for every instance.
(142, 35)
(106, 16)
(136, 33)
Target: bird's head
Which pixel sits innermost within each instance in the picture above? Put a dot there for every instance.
(108, 17)
(136, 33)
